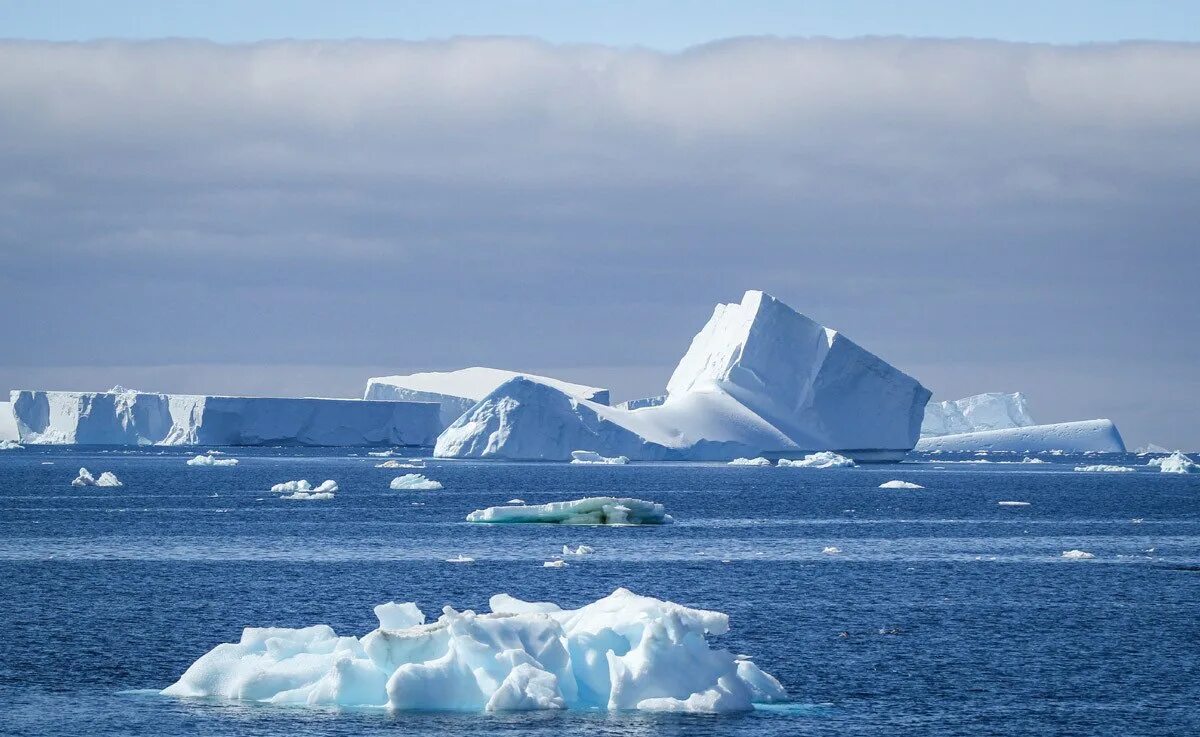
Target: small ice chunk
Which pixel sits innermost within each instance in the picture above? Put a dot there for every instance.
(85, 478)
(10, 445)
(1077, 555)
(895, 484)
(555, 564)
(382, 453)
(414, 482)
(108, 478)
(1177, 462)
(591, 457)
(329, 486)
(1104, 468)
(394, 616)
(1027, 459)
(581, 550)
(308, 496)
(823, 459)
(599, 510)
(461, 559)
(515, 501)
(1013, 504)
(400, 464)
(760, 461)
(207, 460)
(830, 550)
(214, 453)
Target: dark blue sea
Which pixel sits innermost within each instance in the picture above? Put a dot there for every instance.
(945, 613)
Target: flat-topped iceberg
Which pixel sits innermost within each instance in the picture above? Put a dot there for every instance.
(1071, 437)
(977, 413)
(597, 510)
(621, 652)
(457, 391)
(758, 379)
(125, 417)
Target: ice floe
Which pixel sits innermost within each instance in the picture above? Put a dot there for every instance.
(302, 490)
(830, 550)
(599, 510)
(621, 652)
(1013, 504)
(461, 559)
(555, 564)
(760, 461)
(1104, 468)
(897, 484)
(580, 550)
(1077, 555)
(823, 459)
(85, 478)
(591, 457)
(207, 460)
(414, 482)
(401, 464)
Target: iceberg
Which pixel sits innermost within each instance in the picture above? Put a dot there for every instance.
(824, 459)
(1077, 555)
(400, 464)
(8, 424)
(758, 379)
(900, 485)
(125, 417)
(414, 482)
(580, 550)
(329, 486)
(85, 478)
(990, 411)
(622, 652)
(10, 445)
(456, 392)
(1177, 462)
(591, 457)
(598, 510)
(760, 461)
(555, 564)
(1105, 468)
(1069, 437)
(1147, 449)
(207, 460)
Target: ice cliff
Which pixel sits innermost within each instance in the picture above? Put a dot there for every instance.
(1072, 437)
(458, 391)
(8, 423)
(758, 379)
(124, 417)
(990, 411)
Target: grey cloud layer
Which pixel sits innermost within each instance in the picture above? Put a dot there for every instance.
(958, 206)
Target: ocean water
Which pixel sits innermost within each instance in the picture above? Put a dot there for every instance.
(944, 614)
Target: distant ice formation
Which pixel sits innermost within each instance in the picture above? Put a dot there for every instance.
(591, 457)
(760, 461)
(414, 482)
(824, 459)
(125, 417)
(599, 510)
(8, 425)
(555, 564)
(457, 391)
(1177, 462)
(1070, 437)
(900, 485)
(580, 550)
(1150, 448)
(207, 460)
(85, 478)
(758, 379)
(393, 463)
(1077, 555)
(830, 550)
(990, 411)
(621, 652)
(1105, 468)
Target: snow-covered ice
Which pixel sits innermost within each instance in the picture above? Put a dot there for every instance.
(990, 411)
(897, 484)
(599, 510)
(591, 457)
(621, 652)
(414, 482)
(1064, 437)
(1077, 555)
(107, 479)
(329, 486)
(1105, 468)
(455, 392)
(1177, 462)
(824, 459)
(760, 461)
(126, 417)
(555, 564)
(207, 460)
(580, 550)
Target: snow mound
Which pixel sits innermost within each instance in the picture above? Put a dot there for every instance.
(211, 461)
(414, 482)
(1177, 462)
(599, 510)
(900, 485)
(1077, 555)
(990, 411)
(621, 652)
(760, 461)
(823, 459)
(1065, 437)
(591, 457)
(581, 550)
(329, 486)
(555, 564)
(400, 464)
(1104, 468)
(85, 478)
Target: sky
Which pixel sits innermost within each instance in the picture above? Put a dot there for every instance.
(294, 216)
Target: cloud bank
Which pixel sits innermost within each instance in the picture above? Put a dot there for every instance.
(985, 215)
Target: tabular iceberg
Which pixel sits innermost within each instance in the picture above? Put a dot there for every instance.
(759, 379)
(1075, 437)
(623, 651)
(597, 510)
(124, 417)
(458, 391)
(8, 423)
(990, 411)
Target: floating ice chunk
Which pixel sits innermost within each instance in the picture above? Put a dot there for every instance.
(382, 453)
(621, 652)
(823, 459)
(85, 478)
(1013, 504)
(900, 485)
(1027, 459)
(329, 486)
(308, 496)
(749, 462)
(555, 564)
(214, 453)
(1103, 468)
(591, 457)
(515, 501)
(10, 444)
(598, 510)
(581, 550)
(414, 482)
(210, 461)
(1077, 555)
(400, 464)
(831, 550)
(1177, 462)
(461, 559)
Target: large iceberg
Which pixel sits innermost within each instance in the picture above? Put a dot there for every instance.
(758, 379)
(458, 391)
(125, 417)
(1073, 437)
(621, 652)
(990, 411)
